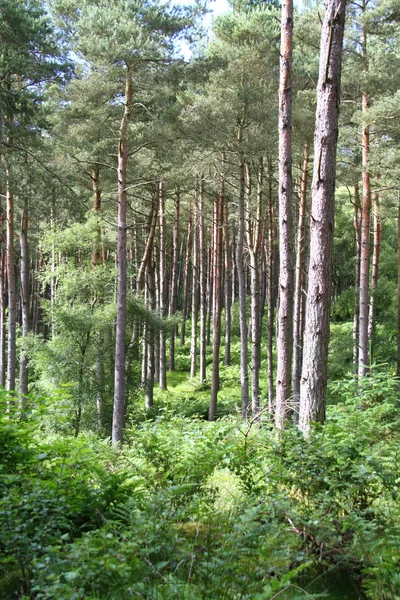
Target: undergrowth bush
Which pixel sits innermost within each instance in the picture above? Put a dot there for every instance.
(191, 509)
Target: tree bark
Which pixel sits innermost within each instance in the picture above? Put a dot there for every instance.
(3, 295)
(12, 300)
(150, 359)
(24, 274)
(202, 284)
(174, 278)
(195, 291)
(316, 335)
(186, 282)
(227, 286)
(363, 359)
(217, 295)
(286, 277)
(375, 267)
(271, 295)
(118, 422)
(356, 317)
(398, 285)
(240, 266)
(162, 286)
(299, 292)
(254, 241)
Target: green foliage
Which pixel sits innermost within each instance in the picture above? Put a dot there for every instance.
(191, 509)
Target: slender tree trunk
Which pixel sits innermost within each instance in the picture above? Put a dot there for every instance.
(240, 265)
(3, 295)
(210, 268)
(150, 362)
(12, 300)
(270, 291)
(118, 422)
(202, 284)
(162, 286)
(233, 269)
(356, 317)
(398, 285)
(363, 359)
(217, 296)
(156, 338)
(375, 267)
(96, 258)
(186, 282)
(316, 335)
(227, 286)
(174, 278)
(299, 287)
(286, 277)
(195, 291)
(24, 274)
(255, 244)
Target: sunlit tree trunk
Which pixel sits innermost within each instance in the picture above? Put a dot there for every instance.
(162, 286)
(24, 275)
(240, 266)
(271, 295)
(12, 300)
(363, 358)
(118, 422)
(202, 284)
(254, 243)
(186, 271)
(195, 290)
(3, 295)
(174, 278)
(217, 295)
(316, 335)
(299, 294)
(150, 359)
(227, 286)
(285, 307)
(356, 317)
(375, 266)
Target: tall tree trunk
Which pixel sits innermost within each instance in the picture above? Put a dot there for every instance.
(271, 295)
(195, 291)
(227, 286)
(363, 359)
(398, 285)
(96, 258)
(174, 278)
(285, 308)
(24, 274)
(3, 295)
(254, 245)
(316, 335)
(186, 281)
(118, 422)
(240, 265)
(202, 284)
(150, 361)
(162, 286)
(210, 268)
(356, 317)
(375, 267)
(217, 296)
(299, 287)
(12, 300)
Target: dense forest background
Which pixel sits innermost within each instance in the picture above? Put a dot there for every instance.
(173, 425)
